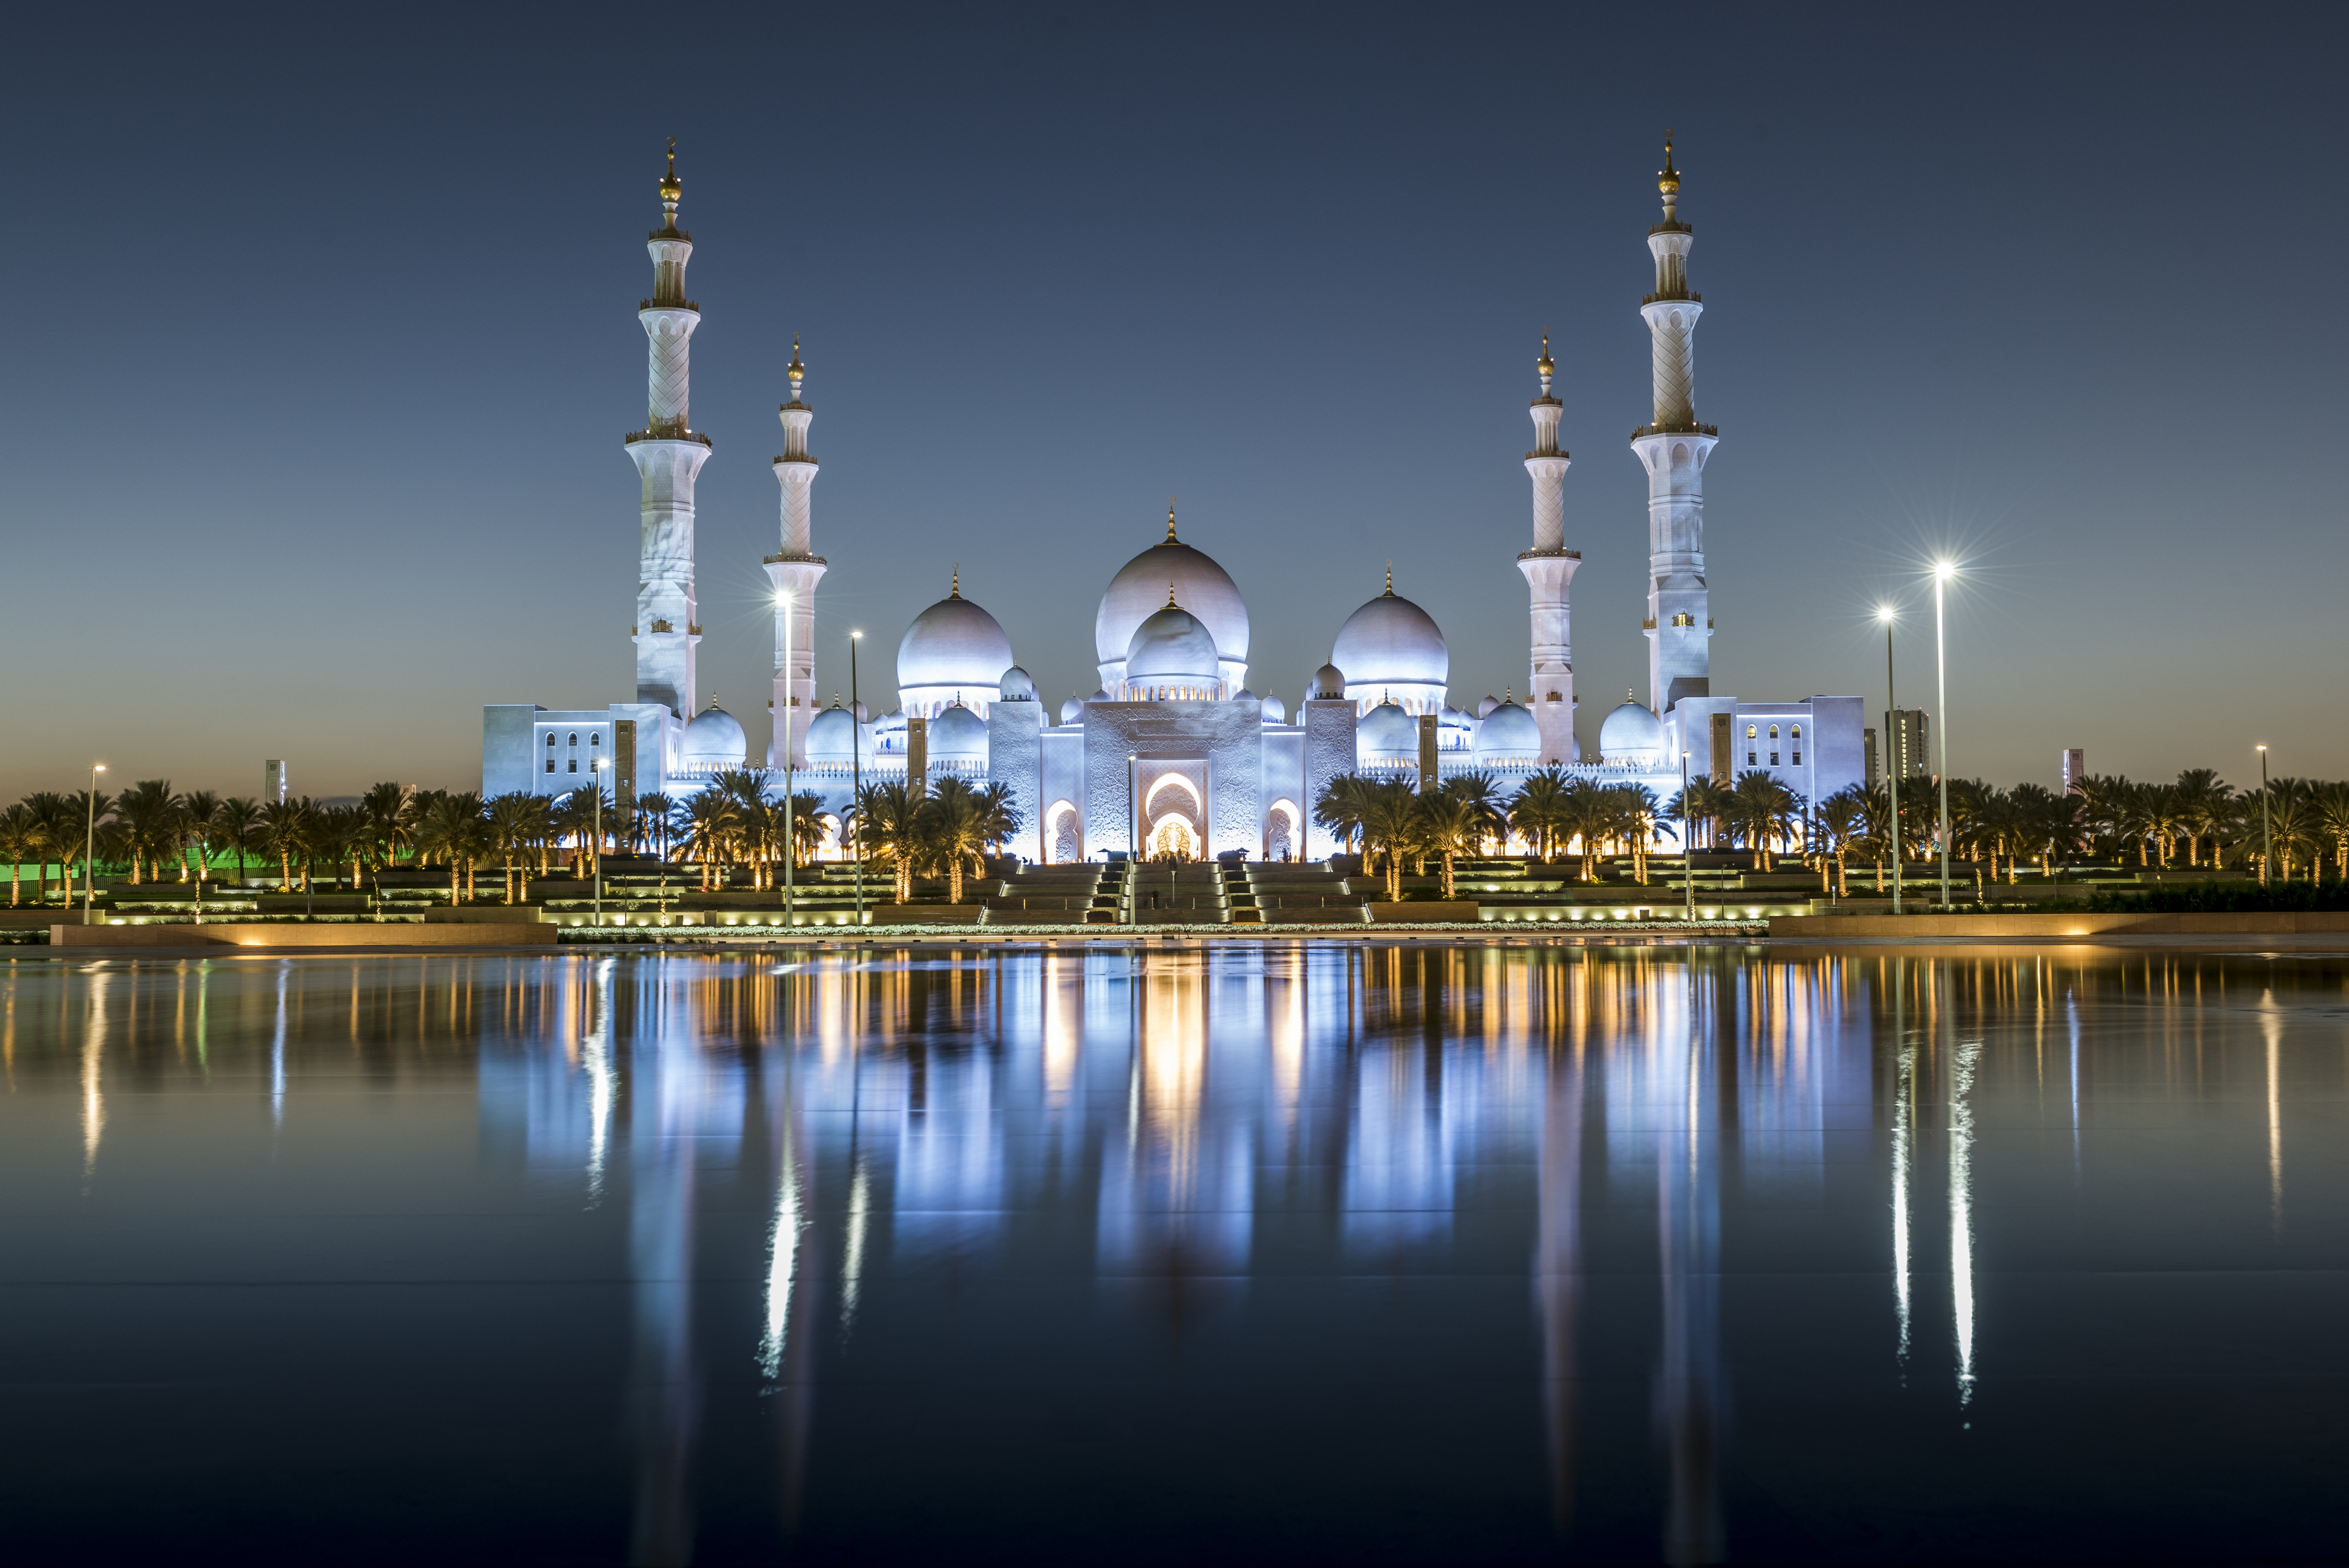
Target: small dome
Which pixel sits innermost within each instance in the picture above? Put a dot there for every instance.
(1632, 735)
(1016, 686)
(1244, 695)
(1329, 683)
(1508, 735)
(1484, 709)
(715, 739)
(832, 738)
(1391, 641)
(1173, 646)
(1074, 711)
(958, 735)
(1273, 712)
(1387, 734)
(954, 643)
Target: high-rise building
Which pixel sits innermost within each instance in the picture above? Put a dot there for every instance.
(1868, 748)
(2076, 770)
(1908, 751)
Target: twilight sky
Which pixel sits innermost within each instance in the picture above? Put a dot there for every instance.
(325, 340)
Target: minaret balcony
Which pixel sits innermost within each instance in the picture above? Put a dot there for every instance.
(692, 305)
(1657, 298)
(633, 436)
(1646, 430)
(782, 555)
(1549, 555)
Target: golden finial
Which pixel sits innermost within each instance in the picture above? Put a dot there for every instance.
(669, 187)
(1170, 523)
(1543, 364)
(1390, 580)
(956, 592)
(1668, 179)
(796, 370)
(1170, 595)
(1509, 695)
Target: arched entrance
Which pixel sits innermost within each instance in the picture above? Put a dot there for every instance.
(1173, 838)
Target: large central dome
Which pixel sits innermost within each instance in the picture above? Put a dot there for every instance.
(954, 652)
(1392, 650)
(1139, 590)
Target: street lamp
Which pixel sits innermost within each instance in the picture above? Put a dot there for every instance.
(1133, 836)
(1893, 773)
(596, 784)
(1942, 571)
(1687, 837)
(856, 771)
(2266, 846)
(90, 844)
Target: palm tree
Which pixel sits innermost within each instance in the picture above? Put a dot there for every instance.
(1448, 826)
(952, 830)
(145, 812)
(1536, 812)
(1390, 823)
(2205, 803)
(655, 814)
(197, 809)
(341, 834)
(999, 815)
(1844, 821)
(284, 829)
(513, 824)
(390, 812)
(892, 814)
(19, 836)
(1637, 818)
(1761, 810)
(712, 821)
(2293, 822)
(57, 830)
(1342, 804)
(2333, 822)
(573, 815)
(236, 828)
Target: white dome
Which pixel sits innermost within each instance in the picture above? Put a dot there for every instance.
(958, 735)
(1387, 734)
(954, 643)
(832, 738)
(714, 740)
(1484, 709)
(1509, 734)
(1074, 711)
(1632, 735)
(1328, 682)
(1273, 712)
(1172, 646)
(1016, 686)
(1390, 642)
(1139, 592)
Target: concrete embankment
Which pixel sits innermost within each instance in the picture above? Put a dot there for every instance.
(1883, 927)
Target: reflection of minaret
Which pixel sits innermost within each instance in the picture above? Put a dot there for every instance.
(668, 455)
(666, 1405)
(794, 569)
(1674, 449)
(1549, 569)
(1557, 1268)
(1688, 1233)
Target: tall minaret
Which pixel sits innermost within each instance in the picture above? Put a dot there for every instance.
(1549, 569)
(794, 569)
(1673, 449)
(668, 455)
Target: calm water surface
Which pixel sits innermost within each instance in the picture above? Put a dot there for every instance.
(1378, 1255)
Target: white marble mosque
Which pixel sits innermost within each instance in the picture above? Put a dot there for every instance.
(1173, 750)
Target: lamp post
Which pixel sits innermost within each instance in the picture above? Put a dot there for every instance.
(596, 782)
(2266, 844)
(1942, 571)
(783, 716)
(856, 770)
(1893, 773)
(1687, 837)
(1133, 836)
(90, 844)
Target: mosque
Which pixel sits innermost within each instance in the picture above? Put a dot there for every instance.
(1174, 751)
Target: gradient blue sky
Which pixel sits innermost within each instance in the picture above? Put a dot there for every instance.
(323, 340)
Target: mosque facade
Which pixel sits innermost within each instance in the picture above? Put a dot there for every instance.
(1173, 750)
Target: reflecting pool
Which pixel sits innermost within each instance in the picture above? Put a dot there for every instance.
(1346, 1254)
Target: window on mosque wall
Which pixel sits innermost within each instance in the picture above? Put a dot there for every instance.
(595, 737)
(549, 737)
(1749, 735)
(550, 761)
(575, 764)
(574, 736)
(1774, 733)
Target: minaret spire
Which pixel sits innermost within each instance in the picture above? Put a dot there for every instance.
(668, 454)
(1169, 522)
(1673, 448)
(1549, 567)
(794, 571)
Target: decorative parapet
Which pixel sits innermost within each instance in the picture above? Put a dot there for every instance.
(693, 305)
(633, 436)
(1549, 555)
(1645, 430)
(1672, 298)
(782, 555)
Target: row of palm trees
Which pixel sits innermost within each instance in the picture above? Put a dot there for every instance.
(731, 822)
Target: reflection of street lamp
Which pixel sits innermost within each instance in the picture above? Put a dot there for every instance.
(1891, 774)
(90, 844)
(1942, 571)
(2267, 845)
(596, 784)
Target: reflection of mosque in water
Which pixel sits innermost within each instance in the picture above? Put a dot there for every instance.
(1222, 1117)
